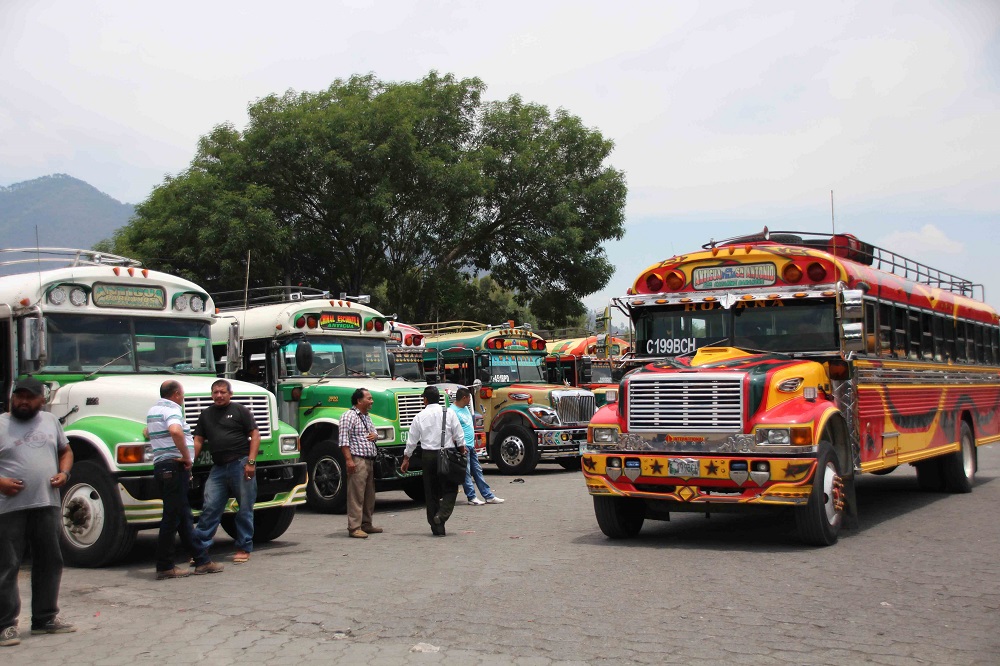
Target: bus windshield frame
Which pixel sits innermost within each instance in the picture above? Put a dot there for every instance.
(127, 344)
(517, 368)
(801, 326)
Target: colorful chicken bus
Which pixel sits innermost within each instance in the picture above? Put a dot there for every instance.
(313, 351)
(526, 419)
(103, 333)
(781, 366)
(589, 363)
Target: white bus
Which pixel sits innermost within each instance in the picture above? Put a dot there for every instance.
(103, 333)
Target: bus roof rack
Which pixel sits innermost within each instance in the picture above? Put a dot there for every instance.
(437, 328)
(62, 257)
(850, 247)
(259, 296)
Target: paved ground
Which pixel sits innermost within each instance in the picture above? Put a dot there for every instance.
(533, 581)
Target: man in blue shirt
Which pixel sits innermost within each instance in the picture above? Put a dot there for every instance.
(474, 471)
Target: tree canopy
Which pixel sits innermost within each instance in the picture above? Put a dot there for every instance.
(413, 191)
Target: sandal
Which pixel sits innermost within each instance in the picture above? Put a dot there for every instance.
(241, 556)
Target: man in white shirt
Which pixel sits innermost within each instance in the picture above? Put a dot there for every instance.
(426, 431)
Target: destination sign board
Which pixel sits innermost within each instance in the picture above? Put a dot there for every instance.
(727, 277)
(340, 321)
(130, 297)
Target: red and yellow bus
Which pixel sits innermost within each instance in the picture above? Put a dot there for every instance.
(780, 366)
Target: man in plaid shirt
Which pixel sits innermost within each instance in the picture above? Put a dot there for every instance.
(357, 442)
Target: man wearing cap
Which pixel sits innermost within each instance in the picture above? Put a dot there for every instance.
(35, 461)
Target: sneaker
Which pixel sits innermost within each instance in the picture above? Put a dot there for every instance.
(207, 568)
(53, 626)
(494, 500)
(176, 572)
(372, 530)
(475, 501)
(358, 534)
(9, 637)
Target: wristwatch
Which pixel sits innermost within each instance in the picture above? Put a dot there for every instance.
(252, 463)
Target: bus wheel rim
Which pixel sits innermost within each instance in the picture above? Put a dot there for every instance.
(83, 515)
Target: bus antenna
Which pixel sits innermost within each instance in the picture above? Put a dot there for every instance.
(833, 225)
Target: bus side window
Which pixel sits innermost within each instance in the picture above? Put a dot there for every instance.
(885, 329)
(961, 349)
(871, 328)
(926, 335)
(940, 349)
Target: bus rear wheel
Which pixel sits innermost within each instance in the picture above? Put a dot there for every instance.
(414, 488)
(94, 531)
(958, 469)
(819, 522)
(327, 488)
(619, 517)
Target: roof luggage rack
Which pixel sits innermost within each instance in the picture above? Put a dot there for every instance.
(849, 247)
(64, 257)
(258, 296)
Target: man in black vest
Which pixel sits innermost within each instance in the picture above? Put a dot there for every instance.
(229, 431)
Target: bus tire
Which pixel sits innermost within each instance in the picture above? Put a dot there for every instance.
(572, 464)
(619, 517)
(414, 488)
(269, 524)
(93, 531)
(327, 488)
(958, 469)
(820, 520)
(516, 450)
(929, 476)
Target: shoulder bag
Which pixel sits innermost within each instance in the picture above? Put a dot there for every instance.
(452, 462)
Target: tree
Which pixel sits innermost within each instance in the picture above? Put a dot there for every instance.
(406, 189)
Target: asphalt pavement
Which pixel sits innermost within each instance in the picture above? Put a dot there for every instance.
(533, 581)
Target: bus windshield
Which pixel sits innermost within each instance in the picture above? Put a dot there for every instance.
(782, 326)
(601, 374)
(85, 343)
(337, 356)
(511, 368)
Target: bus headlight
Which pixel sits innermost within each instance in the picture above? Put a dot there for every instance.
(197, 304)
(546, 415)
(385, 434)
(181, 302)
(611, 396)
(288, 444)
(604, 435)
(784, 436)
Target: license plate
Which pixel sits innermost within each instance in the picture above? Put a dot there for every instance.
(682, 467)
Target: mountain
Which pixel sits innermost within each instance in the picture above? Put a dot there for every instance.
(67, 212)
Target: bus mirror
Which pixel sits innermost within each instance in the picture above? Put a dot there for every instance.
(851, 304)
(852, 336)
(233, 361)
(33, 341)
(303, 356)
(586, 370)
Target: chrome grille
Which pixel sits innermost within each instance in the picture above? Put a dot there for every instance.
(577, 408)
(702, 403)
(408, 407)
(259, 406)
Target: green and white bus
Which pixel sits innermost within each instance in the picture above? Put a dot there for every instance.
(103, 333)
(313, 351)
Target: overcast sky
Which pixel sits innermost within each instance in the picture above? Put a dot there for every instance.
(726, 116)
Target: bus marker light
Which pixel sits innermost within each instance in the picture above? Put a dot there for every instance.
(791, 273)
(732, 249)
(675, 280)
(116, 270)
(486, 392)
(685, 300)
(131, 272)
(661, 301)
(296, 393)
(145, 272)
(747, 297)
(132, 454)
(638, 302)
(715, 251)
(800, 294)
(816, 272)
(829, 293)
(654, 283)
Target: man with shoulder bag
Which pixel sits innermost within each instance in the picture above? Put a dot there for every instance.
(439, 434)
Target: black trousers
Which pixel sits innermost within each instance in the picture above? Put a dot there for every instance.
(39, 528)
(174, 483)
(439, 493)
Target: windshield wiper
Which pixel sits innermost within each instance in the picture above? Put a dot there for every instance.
(117, 358)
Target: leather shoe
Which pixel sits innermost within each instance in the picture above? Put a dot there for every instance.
(358, 534)
(438, 530)
(176, 572)
(372, 530)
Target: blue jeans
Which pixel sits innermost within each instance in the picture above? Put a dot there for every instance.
(175, 483)
(474, 472)
(225, 481)
(38, 527)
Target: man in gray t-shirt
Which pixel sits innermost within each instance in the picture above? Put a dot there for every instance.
(35, 461)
